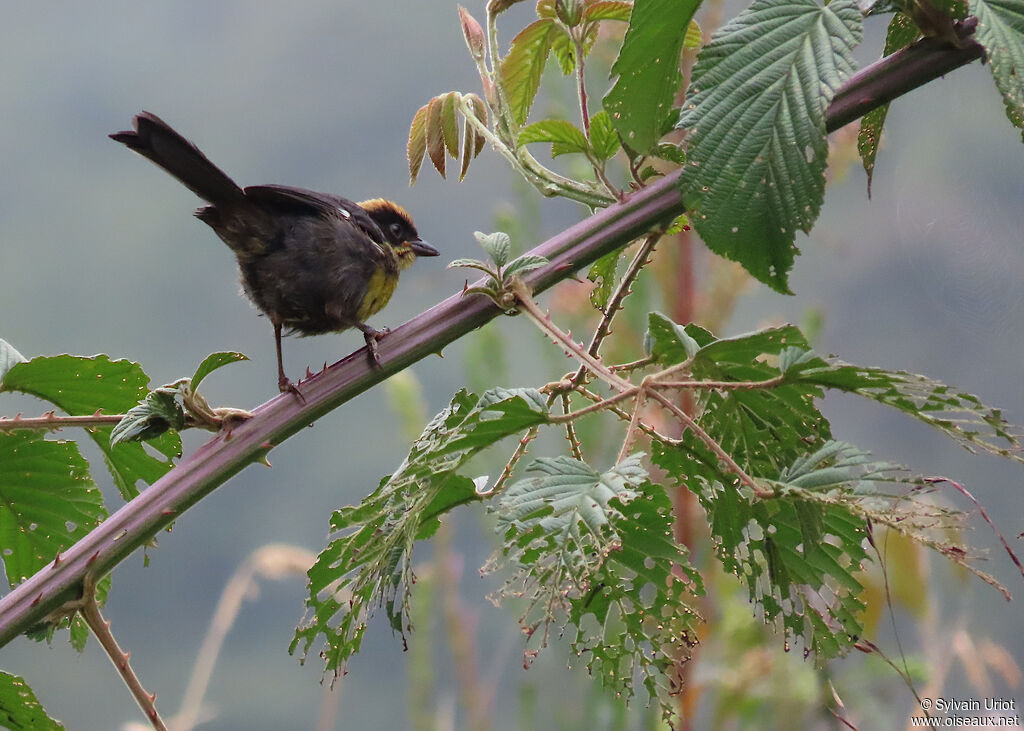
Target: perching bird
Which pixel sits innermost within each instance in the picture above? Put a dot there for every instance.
(312, 262)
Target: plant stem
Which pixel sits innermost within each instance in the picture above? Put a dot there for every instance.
(51, 421)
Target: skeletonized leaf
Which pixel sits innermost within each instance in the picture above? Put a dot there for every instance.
(757, 151)
(521, 68)
(9, 357)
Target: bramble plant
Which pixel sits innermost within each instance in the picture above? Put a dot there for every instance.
(585, 539)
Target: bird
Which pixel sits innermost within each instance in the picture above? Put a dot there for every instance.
(311, 262)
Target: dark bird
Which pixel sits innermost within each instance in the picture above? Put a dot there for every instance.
(311, 262)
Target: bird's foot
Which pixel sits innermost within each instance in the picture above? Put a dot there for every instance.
(371, 336)
(286, 386)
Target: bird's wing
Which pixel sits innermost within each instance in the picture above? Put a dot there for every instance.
(299, 200)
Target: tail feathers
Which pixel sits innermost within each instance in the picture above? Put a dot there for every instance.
(153, 138)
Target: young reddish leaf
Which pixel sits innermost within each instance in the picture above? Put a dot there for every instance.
(481, 113)
(468, 144)
(435, 133)
(450, 123)
(473, 34)
(546, 8)
(521, 68)
(417, 145)
(607, 10)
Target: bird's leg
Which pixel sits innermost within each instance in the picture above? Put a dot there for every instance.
(372, 335)
(283, 384)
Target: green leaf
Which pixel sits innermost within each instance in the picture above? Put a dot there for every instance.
(47, 501)
(603, 136)
(211, 363)
(670, 343)
(901, 33)
(9, 357)
(368, 562)
(694, 36)
(160, 411)
(564, 136)
(19, 708)
(1001, 32)
(757, 151)
(602, 273)
(520, 70)
(648, 70)
(498, 246)
(564, 50)
(83, 386)
(797, 558)
(958, 414)
(525, 263)
(607, 10)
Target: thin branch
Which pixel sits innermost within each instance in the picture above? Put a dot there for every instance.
(575, 447)
(90, 612)
(601, 405)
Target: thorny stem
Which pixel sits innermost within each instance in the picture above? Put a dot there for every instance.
(51, 421)
(543, 321)
(709, 441)
(634, 422)
(570, 432)
(600, 405)
(581, 86)
(90, 612)
(524, 443)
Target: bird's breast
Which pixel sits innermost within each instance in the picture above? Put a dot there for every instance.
(378, 292)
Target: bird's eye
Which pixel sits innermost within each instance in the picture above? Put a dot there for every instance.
(396, 230)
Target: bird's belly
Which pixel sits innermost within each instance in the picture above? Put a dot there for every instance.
(378, 292)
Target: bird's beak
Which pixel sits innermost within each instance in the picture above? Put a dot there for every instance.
(422, 248)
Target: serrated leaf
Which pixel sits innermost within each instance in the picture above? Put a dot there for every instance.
(20, 710)
(498, 246)
(564, 49)
(603, 137)
(525, 263)
(468, 147)
(901, 33)
(670, 343)
(471, 264)
(694, 37)
(435, 133)
(48, 501)
(161, 410)
(648, 70)
(83, 386)
(480, 112)
(559, 132)
(1001, 32)
(521, 68)
(416, 147)
(602, 273)
(9, 357)
(607, 10)
(368, 563)
(212, 362)
(757, 151)
(450, 123)
(958, 414)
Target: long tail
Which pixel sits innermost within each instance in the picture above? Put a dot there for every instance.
(154, 138)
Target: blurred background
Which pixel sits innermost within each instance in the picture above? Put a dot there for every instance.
(99, 254)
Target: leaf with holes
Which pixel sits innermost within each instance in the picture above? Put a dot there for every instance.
(648, 71)
(368, 562)
(756, 155)
(84, 386)
(1001, 32)
(48, 501)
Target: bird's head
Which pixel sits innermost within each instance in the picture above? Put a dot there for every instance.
(398, 229)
